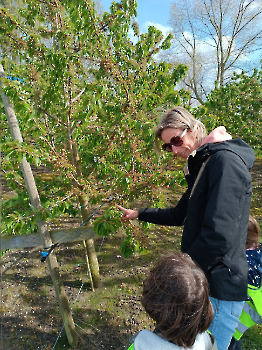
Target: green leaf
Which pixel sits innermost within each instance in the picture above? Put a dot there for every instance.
(183, 182)
(20, 157)
(37, 161)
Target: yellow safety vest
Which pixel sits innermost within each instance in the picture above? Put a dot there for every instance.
(251, 313)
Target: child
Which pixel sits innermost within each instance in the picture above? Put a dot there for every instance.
(176, 296)
(252, 310)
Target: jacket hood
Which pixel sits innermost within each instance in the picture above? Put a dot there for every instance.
(217, 135)
(147, 340)
(237, 146)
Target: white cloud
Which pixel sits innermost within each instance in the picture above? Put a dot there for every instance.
(206, 46)
(143, 29)
(132, 36)
(255, 5)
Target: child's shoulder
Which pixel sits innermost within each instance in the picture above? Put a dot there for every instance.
(254, 257)
(147, 340)
(254, 250)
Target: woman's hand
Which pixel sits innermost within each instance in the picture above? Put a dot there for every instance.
(128, 214)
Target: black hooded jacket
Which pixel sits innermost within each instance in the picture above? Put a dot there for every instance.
(216, 217)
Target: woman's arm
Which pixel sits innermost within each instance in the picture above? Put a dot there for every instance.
(128, 214)
(169, 216)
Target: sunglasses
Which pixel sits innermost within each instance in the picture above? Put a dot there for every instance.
(175, 141)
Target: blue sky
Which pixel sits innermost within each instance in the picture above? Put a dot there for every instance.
(154, 11)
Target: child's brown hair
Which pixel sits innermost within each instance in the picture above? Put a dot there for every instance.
(252, 234)
(176, 297)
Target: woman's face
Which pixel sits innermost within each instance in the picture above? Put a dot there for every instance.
(189, 142)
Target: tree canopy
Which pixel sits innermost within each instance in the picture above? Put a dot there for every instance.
(238, 106)
(86, 101)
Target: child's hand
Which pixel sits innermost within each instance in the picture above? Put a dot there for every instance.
(128, 214)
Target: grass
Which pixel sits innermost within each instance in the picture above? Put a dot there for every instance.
(104, 319)
(252, 339)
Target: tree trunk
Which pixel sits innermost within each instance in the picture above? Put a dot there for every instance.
(89, 244)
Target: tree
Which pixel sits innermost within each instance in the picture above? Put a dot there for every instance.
(5, 41)
(215, 37)
(238, 106)
(86, 108)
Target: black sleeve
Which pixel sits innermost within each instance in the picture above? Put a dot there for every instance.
(169, 216)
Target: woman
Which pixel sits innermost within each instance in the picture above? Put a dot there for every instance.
(214, 213)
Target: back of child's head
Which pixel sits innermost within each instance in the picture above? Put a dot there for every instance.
(253, 231)
(176, 297)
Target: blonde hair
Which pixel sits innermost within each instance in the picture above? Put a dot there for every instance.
(253, 231)
(180, 118)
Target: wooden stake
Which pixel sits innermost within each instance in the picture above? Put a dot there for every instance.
(88, 266)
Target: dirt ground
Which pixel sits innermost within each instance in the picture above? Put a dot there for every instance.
(104, 319)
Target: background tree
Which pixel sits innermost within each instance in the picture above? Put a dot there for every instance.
(87, 110)
(238, 106)
(214, 38)
(6, 41)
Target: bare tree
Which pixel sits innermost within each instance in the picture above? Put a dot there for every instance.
(6, 41)
(214, 38)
